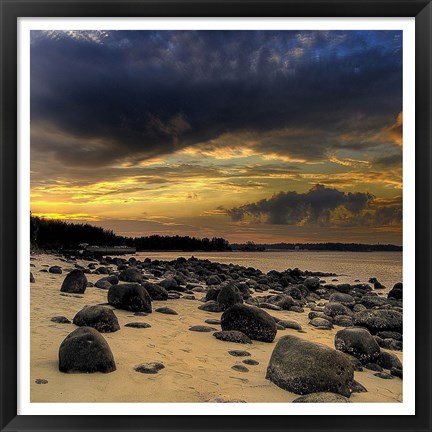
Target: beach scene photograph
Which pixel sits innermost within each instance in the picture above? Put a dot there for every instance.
(216, 216)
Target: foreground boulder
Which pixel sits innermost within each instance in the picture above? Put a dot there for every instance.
(304, 367)
(359, 343)
(74, 282)
(100, 318)
(379, 320)
(86, 351)
(130, 296)
(250, 320)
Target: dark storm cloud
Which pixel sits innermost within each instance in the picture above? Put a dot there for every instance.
(129, 96)
(320, 206)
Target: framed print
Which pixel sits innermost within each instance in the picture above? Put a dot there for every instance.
(220, 206)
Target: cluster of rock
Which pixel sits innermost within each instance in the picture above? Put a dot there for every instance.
(244, 296)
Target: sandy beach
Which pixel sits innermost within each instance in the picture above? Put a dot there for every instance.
(198, 367)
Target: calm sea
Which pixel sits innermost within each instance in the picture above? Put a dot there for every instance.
(349, 266)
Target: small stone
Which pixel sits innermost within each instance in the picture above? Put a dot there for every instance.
(212, 321)
(138, 325)
(149, 368)
(240, 368)
(356, 387)
(41, 381)
(60, 320)
(166, 310)
(202, 329)
(251, 362)
(384, 375)
(55, 270)
(239, 353)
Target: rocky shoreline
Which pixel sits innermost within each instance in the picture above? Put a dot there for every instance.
(274, 311)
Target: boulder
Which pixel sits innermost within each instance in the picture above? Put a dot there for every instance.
(252, 321)
(130, 296)
(55, 270)
(290, 324)
(131, 274)
(100, 318)
(304, 367)
(229, 295)
(379, 320)
(212, 293)
(211, 306)
(75, 282)
(370, 301)
(321, 323)
(359, 343)
(156, 292)
(214, 280)
(86, 351)
(334, 309)
(166, 311)
(232, 336)
(389, 360)
(32, 279)
(343, 288)
(169, 284)
(343, 321)
(342, 298)
(312, 283)
(396, 292)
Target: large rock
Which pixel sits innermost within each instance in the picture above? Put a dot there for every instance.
(389, 360)
(345, 299)
(155, 291)
(101, 318)
(396, 292)
(131, 275)
(334, 309)
(312, 283)
(130, 296)
(252, 321)
(169, 284)
(229, 295)
(232, 336)
(379, 320)
(86, 351)
(359, 343)
(74, 282)
(304, 367)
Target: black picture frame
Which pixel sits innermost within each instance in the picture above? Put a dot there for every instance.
(13, 9)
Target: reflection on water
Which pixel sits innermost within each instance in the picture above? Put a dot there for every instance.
(349, 266)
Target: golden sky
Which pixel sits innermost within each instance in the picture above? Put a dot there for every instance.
(262, 136)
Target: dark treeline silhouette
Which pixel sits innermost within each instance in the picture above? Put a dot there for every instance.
(57, 234)
(184, 243)
(348, 247)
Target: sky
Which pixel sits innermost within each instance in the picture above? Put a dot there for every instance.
(264, 136)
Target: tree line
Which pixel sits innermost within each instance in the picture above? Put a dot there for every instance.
(58, 234)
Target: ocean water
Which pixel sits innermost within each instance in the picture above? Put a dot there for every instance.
(349, 266)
